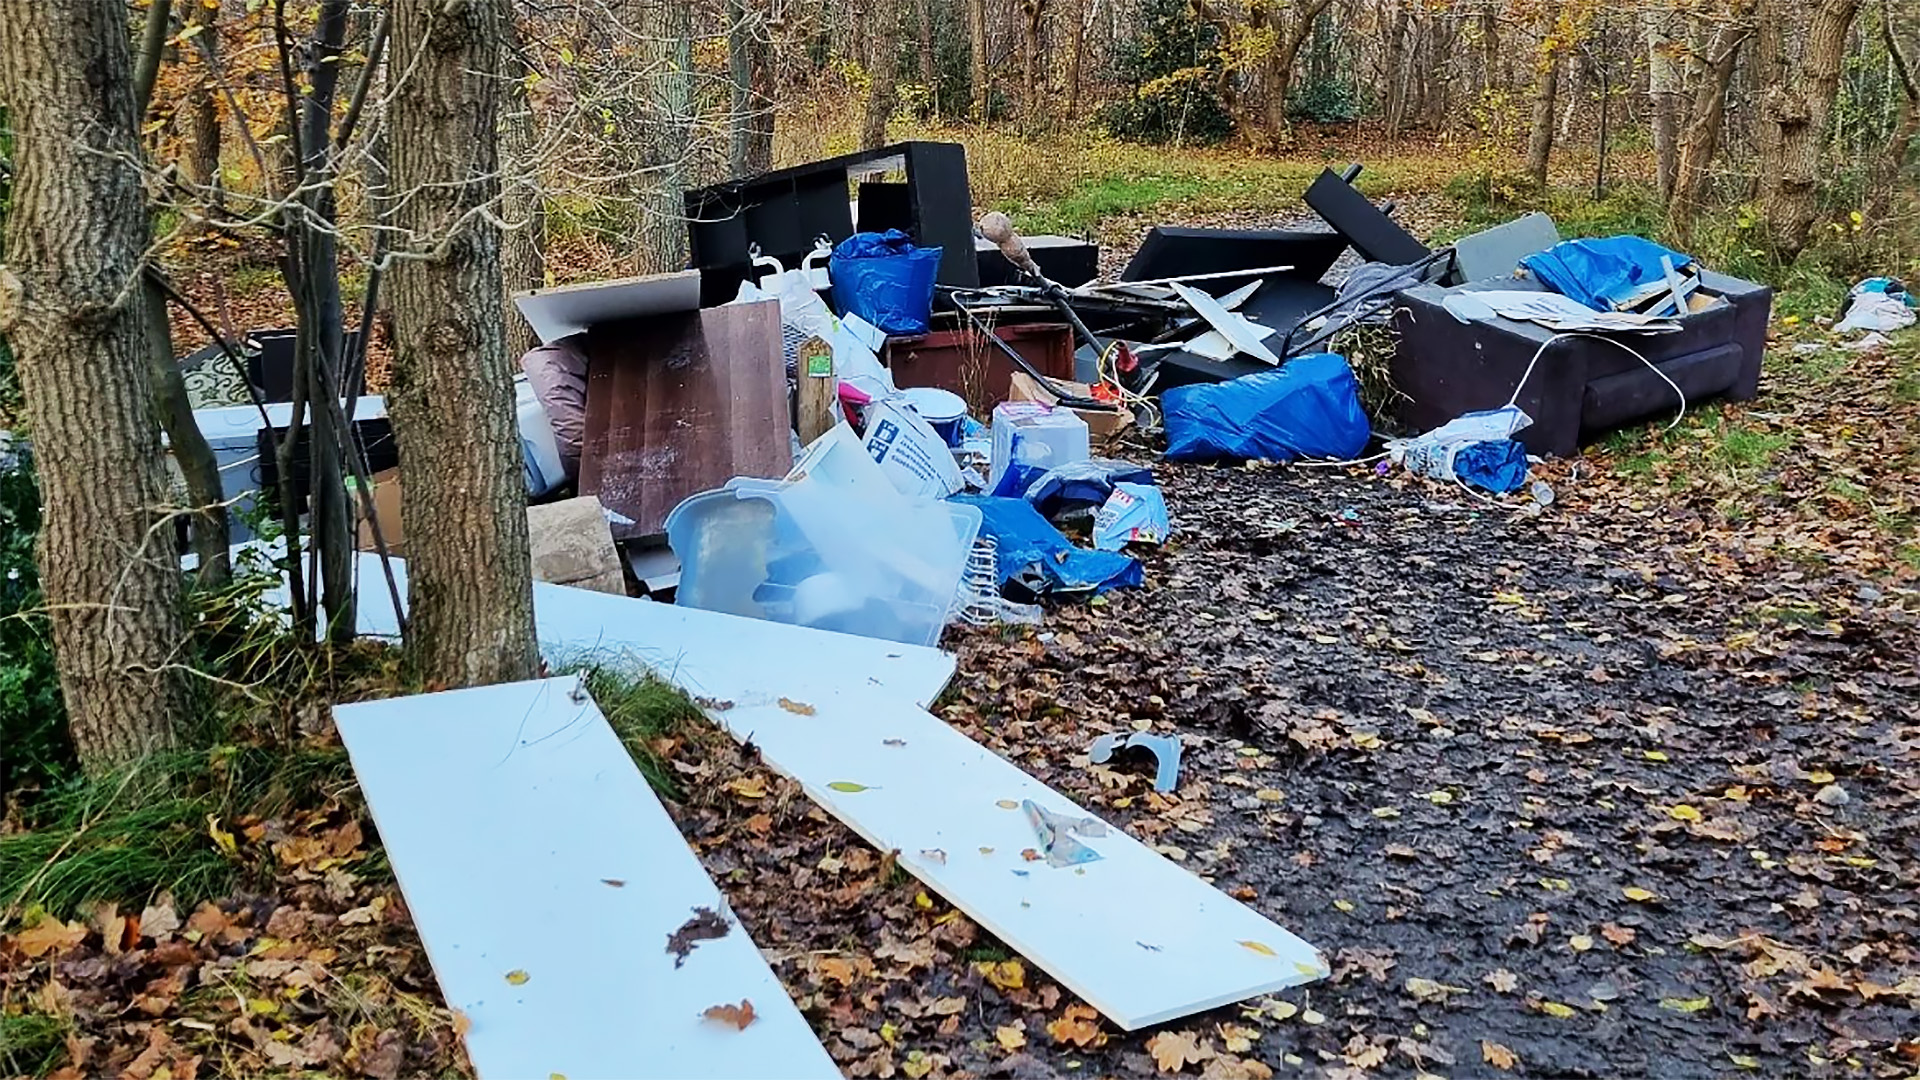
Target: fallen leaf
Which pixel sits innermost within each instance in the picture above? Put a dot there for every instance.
(738, 1015)
(748, 787)
(1580, 943)
(1429, 990)
(848, 786)
(947, 1006)
(1655, 755)
(1003, 974)
(159, 919)
(1007, 804)
(615, 882)
(1502, 980)
(705, 925)
(1498, 1056)
(1270, 795)
(1256, 946)
(1619, 935)
(1686, 1005)
(1010, 1037)
(1556, 1009)
(49, 935)
(798, 708)
(1683, 812)
(838, 969)
(462, 1023)
(1174, 1050)
(516, 977)
(1237, 1039)
(1637, 894)
(1078, 1025)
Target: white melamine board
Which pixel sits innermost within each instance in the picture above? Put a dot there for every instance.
(1135, 935)
(1245, 336)
(568, 309)
(504, 811)
(705, 653)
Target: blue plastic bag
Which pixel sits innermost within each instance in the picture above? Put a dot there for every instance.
(1497, 465)
(1308, 409)
(1035, 560)
(1601, 270)
(885, 280)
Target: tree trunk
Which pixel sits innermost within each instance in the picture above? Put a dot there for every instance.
(207, 528)
(1885, 175)
(203, 112)
(1713, 71)
(751, 149)
(1032, 59)
(977, 42)
(464, 502)
(1290, 35)
(73, 309)
(929, 64)
(666, 36)
(1546, 88)
(1076, 61)
(1663, 93)
(1797, 105)
(883, 89)
(523, 205)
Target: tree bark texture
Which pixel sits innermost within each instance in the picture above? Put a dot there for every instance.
(523, 204)
(203, 111)
(749, 58)
(463, 502)
(207, 528)
(666, 41)
(977, 44)
(72, 307)
(1795, 111)
(1290, 33)
(1663, 94)
(1710, 73)
(1546, 89)
(883, 90)
(1033, 59)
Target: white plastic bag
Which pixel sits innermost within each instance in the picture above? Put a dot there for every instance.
(1431, 455)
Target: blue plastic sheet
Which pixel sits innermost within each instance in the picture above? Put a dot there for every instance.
(1081, 484)
(1035, 560)
(1601, 270)
(1308, 409)
(885, 279)
(1497, 465)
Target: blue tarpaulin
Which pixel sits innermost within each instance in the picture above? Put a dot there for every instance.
(1308, 409)
(1602, 270)
(885, 279)
(1035, 560)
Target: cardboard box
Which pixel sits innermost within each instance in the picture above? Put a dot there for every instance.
(1101, 424)
(386, 509)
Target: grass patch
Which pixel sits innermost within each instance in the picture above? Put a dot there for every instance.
(134, 834)
(253, 278)
(643, 711)
(31, 1044)
(1745, 448)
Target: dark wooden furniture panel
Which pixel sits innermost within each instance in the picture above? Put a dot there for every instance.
(680, 404)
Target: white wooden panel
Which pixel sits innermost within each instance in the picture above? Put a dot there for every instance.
(568, 309)
(1135, 935)
(706, 653)
(506, 811)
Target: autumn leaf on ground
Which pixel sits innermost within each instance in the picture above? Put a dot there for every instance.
(1502, 980)
(1638, 895)
(738, 1015)
(705, 925)
(1619, 935)
(49, 935)
(838, 969)
(1079, 1025)
(1428, 990)
(798, 708)
(1003, 974)
(1498, 1056)
(748, 787)
(516, 977)
(1011, 1037)
(1685, 1005)
(1174, 1050)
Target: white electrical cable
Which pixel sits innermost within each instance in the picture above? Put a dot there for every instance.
(1631, 351)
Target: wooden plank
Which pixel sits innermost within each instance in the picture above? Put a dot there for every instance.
(708, 653)
(545, 879)
(569, 309)
(1135, 935)
(680, 404)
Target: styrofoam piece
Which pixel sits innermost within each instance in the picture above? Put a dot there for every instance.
(704, 652)
(1135, 935)
(569, 309)
(545, 878)
(1245, 336)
